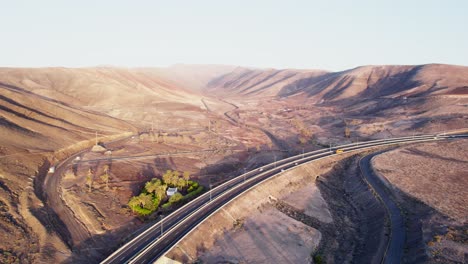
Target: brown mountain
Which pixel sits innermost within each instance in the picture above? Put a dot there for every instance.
(48, 113)
(31, 121)
(358, 83)
(258, 82)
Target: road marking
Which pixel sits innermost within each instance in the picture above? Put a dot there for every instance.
(325, 153)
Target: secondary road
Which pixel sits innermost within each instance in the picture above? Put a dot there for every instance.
(163, 235)
(394, 251)
(72, 231)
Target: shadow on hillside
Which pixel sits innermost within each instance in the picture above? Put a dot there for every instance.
(98, 247)
(423, 223)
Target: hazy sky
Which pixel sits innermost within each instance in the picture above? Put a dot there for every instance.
(332, 35)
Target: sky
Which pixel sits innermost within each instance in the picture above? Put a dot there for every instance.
(331, 35)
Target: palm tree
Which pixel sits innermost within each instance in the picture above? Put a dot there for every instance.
(186, 177)
(105, 176)
(134, 202)
(161, 192)
(89, 179)
(175, 178)
(152, 185)
(167, 177)
(146, 201)
(180, 183)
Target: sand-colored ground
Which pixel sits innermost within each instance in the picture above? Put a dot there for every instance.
(430, 182)
(251, 222)
(265, 237)
(311, 202)
(48, 114)
(435, 173)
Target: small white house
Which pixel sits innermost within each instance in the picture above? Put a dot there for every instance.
(171, 191)
(52, 169)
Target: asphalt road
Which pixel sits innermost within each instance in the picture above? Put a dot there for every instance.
(71, 230)
(201, 207)
(394, 251)
(150, 244)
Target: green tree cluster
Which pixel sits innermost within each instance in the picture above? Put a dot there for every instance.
(148, 200)
(143, 204)
(176, 198)
(155, 191)
(174, 179)
(156, 188)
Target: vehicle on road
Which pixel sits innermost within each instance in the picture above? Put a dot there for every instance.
(144, 249)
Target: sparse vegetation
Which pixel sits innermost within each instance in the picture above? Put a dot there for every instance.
(143, 204)
(89, 179)
(105, 176)
(347, 132)
(305, 134)
(176, 198)
(59, 115)
(8, 257)
(318, 259)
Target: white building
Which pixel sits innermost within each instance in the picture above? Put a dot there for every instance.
(171, 191)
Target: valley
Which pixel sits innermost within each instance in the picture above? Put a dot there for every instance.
(215, 123)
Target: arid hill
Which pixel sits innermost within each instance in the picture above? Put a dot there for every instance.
(361, 82)
(46, 114)
(258, 82)
(37, 123)
(193, 77)
(396, 99)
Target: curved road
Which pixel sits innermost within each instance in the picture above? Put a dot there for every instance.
(394, 251)
(71, 231)
(152, 243)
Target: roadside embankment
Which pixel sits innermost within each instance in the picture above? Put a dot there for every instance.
(430, 184)
(322, 209)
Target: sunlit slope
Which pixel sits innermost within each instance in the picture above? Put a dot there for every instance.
(359, 83)
(34, 122)
(258, 82)
(96, 86)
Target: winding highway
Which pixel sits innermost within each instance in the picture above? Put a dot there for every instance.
(162, 236)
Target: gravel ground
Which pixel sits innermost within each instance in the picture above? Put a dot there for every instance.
(431, 185)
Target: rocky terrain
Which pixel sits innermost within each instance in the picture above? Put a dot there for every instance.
(430, 183)
(322, 210)
(237, 117)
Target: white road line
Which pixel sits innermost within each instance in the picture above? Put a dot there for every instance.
(294, 158)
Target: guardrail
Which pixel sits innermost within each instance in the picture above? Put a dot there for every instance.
(247, 177)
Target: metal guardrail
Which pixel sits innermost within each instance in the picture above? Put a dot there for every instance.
(291, 161)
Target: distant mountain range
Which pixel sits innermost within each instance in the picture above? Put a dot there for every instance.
(67, 104)
(358, 83)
